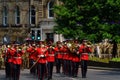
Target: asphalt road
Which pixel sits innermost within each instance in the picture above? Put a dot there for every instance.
(93, 74)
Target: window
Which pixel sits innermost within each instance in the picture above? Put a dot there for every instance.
(17, 15)
(50, 9)
(5, 16)
(32, 15)
(49, 37)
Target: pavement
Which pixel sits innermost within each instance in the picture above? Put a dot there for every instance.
(104, 68)
(94, 73)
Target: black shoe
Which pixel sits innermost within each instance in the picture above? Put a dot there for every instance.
(83, 76)
(6, 76)
(75, 75)
(49, 79)
(57, 72)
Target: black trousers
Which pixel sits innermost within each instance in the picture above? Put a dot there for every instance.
(84, 68)
(41, 70)
(9, 70)
(58, 65)
(75, 67)
(16, 71)
(69, 66)
(33, 69)
(65, 67)
(50, 69)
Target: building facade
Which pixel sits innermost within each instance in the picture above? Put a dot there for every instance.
(19, 17)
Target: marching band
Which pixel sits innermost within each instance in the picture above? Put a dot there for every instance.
(41, 57)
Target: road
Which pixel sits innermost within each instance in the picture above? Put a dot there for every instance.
(93, 74)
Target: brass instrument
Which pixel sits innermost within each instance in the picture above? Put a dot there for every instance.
(73, 48)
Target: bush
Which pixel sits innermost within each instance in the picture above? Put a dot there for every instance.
(106, 62)
(96, 59)
(115, 59)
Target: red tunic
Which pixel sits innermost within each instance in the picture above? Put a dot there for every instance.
(31, 51)
(59, 54)
(84, 50)
(50, 55)
(75, 58)
(65, 53)
(17, 59)
(10, 54)
(41, 55)
(70, 56)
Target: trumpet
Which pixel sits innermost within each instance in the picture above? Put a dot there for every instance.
(88, 44)
(69, 45)
(72, 47)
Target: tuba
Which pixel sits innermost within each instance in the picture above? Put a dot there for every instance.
(72, 47)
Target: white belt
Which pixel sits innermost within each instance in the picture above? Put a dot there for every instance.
(41, 55)
(17, 57)
(64, 53)
(84, 53)
(51, 54)
(59, 53)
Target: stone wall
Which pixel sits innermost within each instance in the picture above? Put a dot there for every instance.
(14, 30)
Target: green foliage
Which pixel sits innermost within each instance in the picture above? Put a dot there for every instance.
(104, 60)
(116, 59)
(91, 19)
(96, 59)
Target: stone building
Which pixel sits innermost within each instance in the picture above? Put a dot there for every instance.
(19, 17)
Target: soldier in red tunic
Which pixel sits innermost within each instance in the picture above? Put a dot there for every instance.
(31, 50)
(50, 60)
(17, 61)
(9, 56)
(58, 56)
(75, 59)
(84, 49)
(7, 59)
(65, 59)
(41, 61)
(69, 60)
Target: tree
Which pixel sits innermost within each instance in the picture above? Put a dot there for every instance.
(90, 19)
